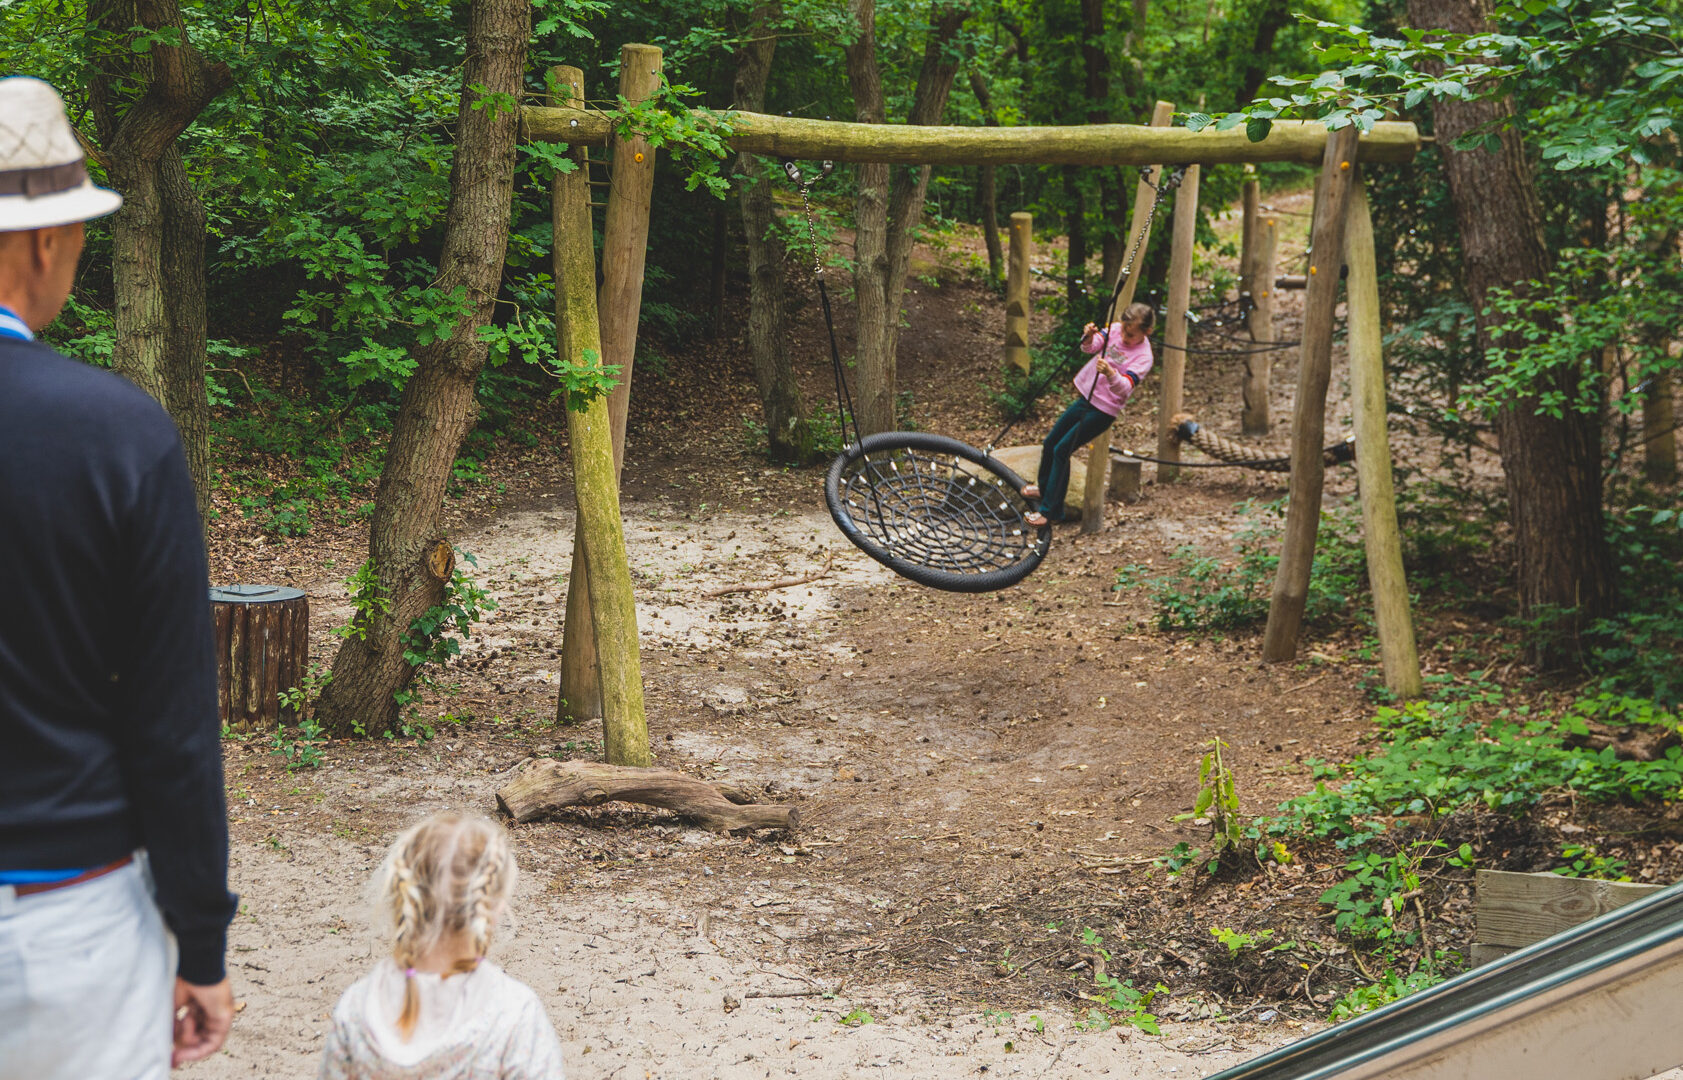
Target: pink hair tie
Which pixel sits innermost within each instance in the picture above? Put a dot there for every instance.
(408, 973)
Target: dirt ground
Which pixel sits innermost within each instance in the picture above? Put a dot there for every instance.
(981, 779)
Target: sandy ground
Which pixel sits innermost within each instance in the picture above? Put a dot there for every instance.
(637, 980)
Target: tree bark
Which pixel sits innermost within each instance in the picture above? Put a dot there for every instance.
(788, 430)
(1271, 16)
(438, 407)
(885, 217)
(158, 235)
(1551, 464)
(990, 192)
(1075, 226)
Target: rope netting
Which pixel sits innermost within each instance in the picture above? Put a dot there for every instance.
(936, 511)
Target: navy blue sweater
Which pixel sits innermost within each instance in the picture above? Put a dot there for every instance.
(109, 736)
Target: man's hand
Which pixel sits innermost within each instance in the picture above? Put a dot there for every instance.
(203, 1015)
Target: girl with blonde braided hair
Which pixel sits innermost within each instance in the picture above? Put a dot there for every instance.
(437, 1009)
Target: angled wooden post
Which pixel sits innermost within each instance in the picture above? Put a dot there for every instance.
(1172, 363)
(600, 533)
(1365, 339)
(1098, 453)
(1259, 366)
(625, 236)
(1314, 372)
(1017, 306)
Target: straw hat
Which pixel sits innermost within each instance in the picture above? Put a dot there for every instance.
(43, 176)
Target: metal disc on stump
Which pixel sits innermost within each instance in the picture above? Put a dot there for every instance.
(262, 649)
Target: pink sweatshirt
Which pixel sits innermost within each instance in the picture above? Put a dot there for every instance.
(1129, 365)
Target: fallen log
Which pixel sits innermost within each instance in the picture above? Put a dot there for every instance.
(1628, 743)
(546, 786)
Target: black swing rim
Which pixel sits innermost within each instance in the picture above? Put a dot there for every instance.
(884, 442)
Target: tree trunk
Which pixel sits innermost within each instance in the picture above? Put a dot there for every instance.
(1552, 465)
(547, 786)
(990, 193)
(142, 101)
(1075, 225)
(438, 406)
(1270, 17)
(788, 430)
(885, 218)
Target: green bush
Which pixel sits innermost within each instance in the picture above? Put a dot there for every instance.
(1204, 593)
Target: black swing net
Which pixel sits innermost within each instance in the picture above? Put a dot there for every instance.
(929, 508)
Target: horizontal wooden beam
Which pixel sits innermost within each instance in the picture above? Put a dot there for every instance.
(1389, 142)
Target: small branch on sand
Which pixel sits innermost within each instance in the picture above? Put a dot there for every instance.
(767, 586)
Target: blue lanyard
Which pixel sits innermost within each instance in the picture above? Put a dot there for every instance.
(13, 327)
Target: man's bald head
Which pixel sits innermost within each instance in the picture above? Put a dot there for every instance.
(37, 268)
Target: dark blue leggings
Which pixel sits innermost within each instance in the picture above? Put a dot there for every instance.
(1079, 425)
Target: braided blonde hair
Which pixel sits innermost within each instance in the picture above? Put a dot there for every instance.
(451, 874)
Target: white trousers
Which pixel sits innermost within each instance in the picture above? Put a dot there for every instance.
(87, 981)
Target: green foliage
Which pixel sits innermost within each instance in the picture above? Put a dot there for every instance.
(1635, 651)
(1470, 748)
(1217, 802)
(369, 601)
(1126, 1003)
(1208, 594)
(1392, 985)
(1237, 941)
(302, 750)
(1583, 861)
(436, 635)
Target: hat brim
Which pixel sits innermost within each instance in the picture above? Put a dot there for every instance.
(82, 203)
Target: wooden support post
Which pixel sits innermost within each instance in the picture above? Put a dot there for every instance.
(1373, 452)
(599, 533)
(1171, 386)
(1017, 304)
(1250, 200)
(1259, 366)
(1139, 234)
(1303, 512)
(625, 235)
(1659, 431)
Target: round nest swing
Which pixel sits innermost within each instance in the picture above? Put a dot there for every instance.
(935, 510)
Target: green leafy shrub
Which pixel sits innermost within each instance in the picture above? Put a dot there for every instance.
(1204, 593)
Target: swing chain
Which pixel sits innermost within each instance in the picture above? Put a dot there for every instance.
(792, 169)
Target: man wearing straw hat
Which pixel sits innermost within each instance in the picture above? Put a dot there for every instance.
(114, 904)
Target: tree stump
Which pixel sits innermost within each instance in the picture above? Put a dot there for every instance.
(546, 786)
(262, 648)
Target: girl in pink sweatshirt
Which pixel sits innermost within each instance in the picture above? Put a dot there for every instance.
(1121, 360)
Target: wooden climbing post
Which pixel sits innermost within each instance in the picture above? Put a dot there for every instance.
(1259, 366)
(600, 534)
(1314, 372)
(1098, 453)
(1365, 339)
(1172, 363)
(1017, 290)
(625, 235)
